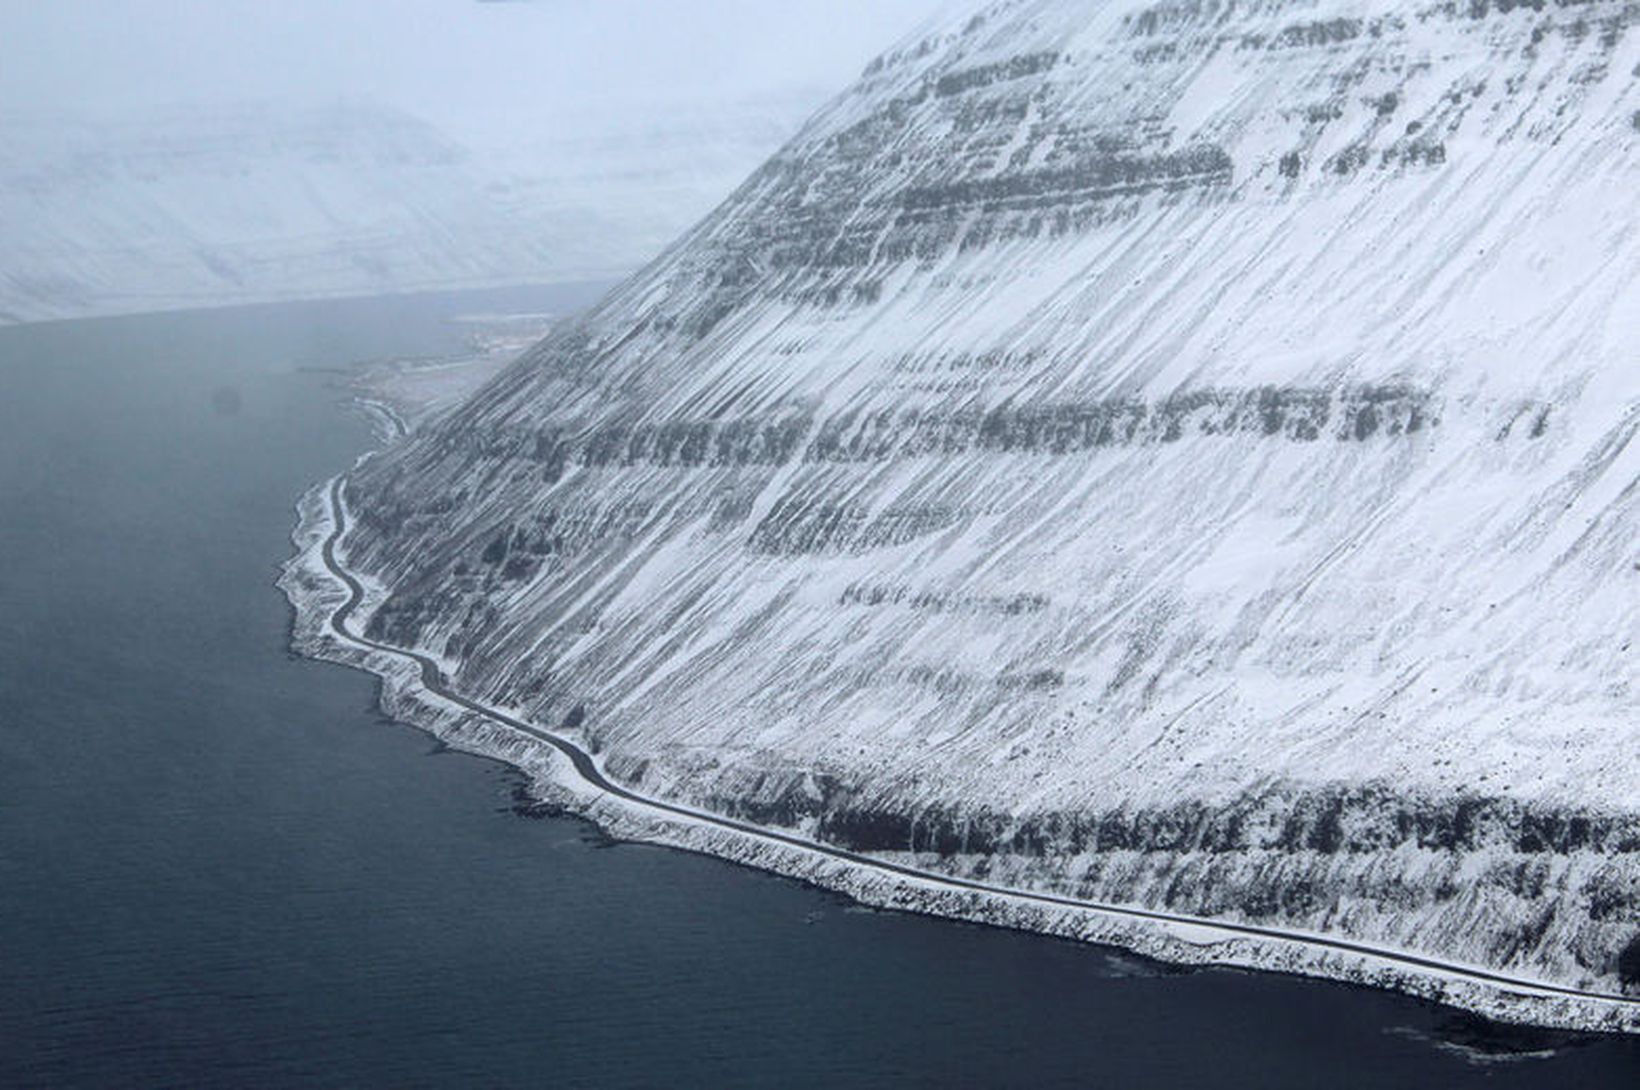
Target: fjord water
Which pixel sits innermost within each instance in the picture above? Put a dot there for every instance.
(220, 867)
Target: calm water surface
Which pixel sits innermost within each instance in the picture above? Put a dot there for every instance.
(220, 867)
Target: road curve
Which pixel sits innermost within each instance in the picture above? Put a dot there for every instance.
(433, 680)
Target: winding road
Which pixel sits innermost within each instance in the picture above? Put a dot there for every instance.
(433, 680)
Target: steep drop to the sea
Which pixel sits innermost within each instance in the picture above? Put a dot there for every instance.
(1175, 454)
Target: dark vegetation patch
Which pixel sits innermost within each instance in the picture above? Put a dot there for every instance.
(1303, 414)
(806, 523)
(938, 601)
(968, 79)
(1096, 174)
(1368, 819)
(1171, 15)
(1321, 33)
(1628, 964)
(1350, 160)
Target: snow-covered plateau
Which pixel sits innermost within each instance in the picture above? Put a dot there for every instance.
(1176, 455)
(191, 207)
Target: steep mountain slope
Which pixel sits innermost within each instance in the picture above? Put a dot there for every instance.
(1180, 454)
(260, 202)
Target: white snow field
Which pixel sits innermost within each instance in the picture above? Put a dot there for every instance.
(1177, 455)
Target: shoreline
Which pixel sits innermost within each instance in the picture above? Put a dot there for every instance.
(324, 594)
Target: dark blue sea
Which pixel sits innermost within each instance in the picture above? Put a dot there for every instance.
(220, 867)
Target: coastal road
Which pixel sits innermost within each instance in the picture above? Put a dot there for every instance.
(433, 680)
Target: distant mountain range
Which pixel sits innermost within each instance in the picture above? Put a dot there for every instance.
(258, 202)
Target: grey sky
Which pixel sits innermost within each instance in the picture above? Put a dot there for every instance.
(464, 64)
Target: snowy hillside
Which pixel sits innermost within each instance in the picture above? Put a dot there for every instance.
(1181, 454)
(195, 208)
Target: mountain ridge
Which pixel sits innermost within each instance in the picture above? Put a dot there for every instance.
(1179, 454)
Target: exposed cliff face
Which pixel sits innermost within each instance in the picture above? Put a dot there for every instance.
(1181, 453)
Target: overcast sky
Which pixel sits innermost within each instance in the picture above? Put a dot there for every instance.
(464, 64)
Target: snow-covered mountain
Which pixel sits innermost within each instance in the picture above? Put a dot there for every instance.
(258, 202)
(1181, 453)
